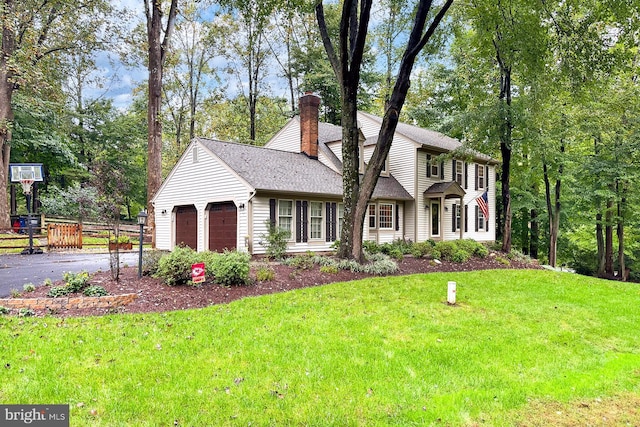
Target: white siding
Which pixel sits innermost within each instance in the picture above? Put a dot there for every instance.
(288, 138)
(198, 183)
(260, 208)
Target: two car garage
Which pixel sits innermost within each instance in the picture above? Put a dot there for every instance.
(222, 226)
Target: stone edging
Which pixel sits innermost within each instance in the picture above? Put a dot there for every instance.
(107, 301)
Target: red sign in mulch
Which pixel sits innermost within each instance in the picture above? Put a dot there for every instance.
(197, 272)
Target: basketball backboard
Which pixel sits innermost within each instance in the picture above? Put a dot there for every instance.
(22, 171)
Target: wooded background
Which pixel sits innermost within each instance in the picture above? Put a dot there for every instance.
(548, 87)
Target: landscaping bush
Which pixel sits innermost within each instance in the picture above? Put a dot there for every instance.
(76, 282)
(460, 255)
(444, 250)
(95, 291)
(209, 259)
(4, 310)
(301, 262)
(150, 260)
(473, 248)
(422, 249)
(29, 287)
(405, 246)
(275, 241)
(370, 247)
(58, 291)
(232, 268)
(26, 312)
(265, 274)
(330, 269)
(174, 268)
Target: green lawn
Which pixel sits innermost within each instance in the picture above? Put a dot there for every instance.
(385, 351)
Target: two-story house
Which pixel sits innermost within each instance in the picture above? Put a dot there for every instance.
(224, 195)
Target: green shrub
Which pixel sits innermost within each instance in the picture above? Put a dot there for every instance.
(47, 282)
(330, 269)
(210, 259)
(4, 310)
(301, 262)
(174, 268)
(150, 261)
(404, 245)
(265, 274)
(95, 291)
(76, 282)
(371, 247)
(26, 312)
(29, 287)
(460, 255)
(275, 241)
(232, 268)
(58, 291)
(15, 293)
(445, 250)
(421, 249)
(473, 247)
(503, 260)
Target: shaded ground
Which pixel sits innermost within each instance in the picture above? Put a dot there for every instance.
(154, 296)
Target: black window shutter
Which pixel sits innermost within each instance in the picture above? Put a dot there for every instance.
(466, 175)
(453, 170)
(486, 177)
(397, 217)
(334, 221)
(272, 212)
(466, 218)
(477, 219)
(327, 224)
(428, 165)
(305, 221)
(476, 165)
(298, 221)
(441, 170)
(453, 217)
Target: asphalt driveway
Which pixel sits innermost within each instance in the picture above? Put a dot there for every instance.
(17, 270)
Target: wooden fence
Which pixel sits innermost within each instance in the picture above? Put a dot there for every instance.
(64, 236)
(67, 233)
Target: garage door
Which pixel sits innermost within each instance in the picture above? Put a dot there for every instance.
(223, 230)
(187, 226)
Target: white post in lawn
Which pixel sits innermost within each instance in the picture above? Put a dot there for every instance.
(451, 293)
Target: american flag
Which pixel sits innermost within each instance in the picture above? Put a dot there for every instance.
(483, 204)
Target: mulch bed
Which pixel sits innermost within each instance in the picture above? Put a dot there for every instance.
(154, 296)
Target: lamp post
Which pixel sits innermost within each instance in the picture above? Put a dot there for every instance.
(142, 221)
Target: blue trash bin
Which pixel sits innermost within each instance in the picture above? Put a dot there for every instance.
(23, 225)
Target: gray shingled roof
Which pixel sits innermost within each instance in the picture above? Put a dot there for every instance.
(426, 137)
(274, 170)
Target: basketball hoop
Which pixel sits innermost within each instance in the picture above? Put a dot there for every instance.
(26, 185)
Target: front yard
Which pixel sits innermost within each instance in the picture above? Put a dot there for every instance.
(521, 347)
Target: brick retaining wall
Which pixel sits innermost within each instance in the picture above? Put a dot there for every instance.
(107, 301)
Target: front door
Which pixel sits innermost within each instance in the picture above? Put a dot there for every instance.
(435, 219)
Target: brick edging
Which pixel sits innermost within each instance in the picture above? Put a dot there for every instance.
(107, 301)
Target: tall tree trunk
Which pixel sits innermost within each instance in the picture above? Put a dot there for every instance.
(506, 141)
(351, 236)
(6, 110)
(525, 242)
(608, 244)
(157, 51)
(553, 208)
(622, 267)
(535, 234)
(600, 246)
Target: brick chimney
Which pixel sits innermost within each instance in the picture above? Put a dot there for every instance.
(309, 113)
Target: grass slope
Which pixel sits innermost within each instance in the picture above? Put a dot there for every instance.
(385, 351)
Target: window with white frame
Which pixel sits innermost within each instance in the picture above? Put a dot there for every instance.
(315, 215)
(433, 167)
(340, 218)
(481, 177)
(372, 216)
(385, 210)
(481, 220)
(458, 211)
(285, 215)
